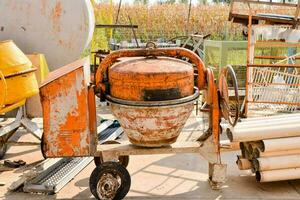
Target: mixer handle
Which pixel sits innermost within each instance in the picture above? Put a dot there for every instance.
(110, 59)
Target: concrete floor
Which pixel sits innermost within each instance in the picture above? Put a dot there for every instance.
(181, 176)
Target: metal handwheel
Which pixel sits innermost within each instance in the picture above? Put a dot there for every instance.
(230, 107)
(110, 180)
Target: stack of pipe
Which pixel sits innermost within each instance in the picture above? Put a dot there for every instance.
(270, 146)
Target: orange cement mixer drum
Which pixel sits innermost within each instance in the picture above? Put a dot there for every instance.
(151, 79)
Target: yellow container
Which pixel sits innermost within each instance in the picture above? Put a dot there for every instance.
(18, 80)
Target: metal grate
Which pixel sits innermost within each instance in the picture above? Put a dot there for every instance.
(60, 173)
(65, 166)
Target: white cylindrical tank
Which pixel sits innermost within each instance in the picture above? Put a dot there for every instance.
(59, 29)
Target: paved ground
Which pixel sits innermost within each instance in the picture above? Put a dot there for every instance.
(169, 177)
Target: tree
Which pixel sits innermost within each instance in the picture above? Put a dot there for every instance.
(144, 2)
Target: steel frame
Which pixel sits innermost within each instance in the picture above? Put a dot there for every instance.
(260, 76)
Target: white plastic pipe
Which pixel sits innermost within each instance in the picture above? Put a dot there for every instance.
(278, 175)
(261, 133)
(244, 146)
(243, 163)
(269, 122)
(254, 145)
(258, 153)
(271, 117)
(281, 144)
(277, 162)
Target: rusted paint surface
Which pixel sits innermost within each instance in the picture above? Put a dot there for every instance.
(214, 114)
(152, 126)
(92, 119)
(55, 16)
(66, 113)
(145, 79)
(109, 60)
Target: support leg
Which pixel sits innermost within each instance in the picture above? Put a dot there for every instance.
(217, 175)
(32, 128)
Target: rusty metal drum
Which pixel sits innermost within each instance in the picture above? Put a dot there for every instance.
(152, 97)
(144, 79)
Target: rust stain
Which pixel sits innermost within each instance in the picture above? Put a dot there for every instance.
(55, 16)
(44, 6)
(152, 126)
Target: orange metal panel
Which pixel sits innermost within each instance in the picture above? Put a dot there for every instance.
(64, 98)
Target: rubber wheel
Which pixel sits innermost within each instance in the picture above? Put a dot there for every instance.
(123, 160)
(42, 149)
(3, 148)
(110, 180)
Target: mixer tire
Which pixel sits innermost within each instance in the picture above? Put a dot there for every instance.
(110, 180)
(42, 149)
(3, 149)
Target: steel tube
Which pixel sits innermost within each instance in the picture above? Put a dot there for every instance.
(261, 133)
(278, 175)
(281, 144)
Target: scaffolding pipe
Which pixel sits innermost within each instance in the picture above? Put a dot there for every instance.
(278, 175)
(281, 144)
(261, 133)
(276, 162)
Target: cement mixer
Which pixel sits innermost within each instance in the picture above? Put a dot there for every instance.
(152, 93)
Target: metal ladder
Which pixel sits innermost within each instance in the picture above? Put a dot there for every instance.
(57, 175)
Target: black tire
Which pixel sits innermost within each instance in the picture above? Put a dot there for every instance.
(110, 169)
(3, 148)
(42, 147)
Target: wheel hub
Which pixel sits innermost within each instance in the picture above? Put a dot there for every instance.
(107, 186)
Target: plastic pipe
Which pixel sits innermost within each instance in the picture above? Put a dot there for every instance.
(261, 133)
(278, 175)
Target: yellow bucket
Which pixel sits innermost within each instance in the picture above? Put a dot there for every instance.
(18, 80)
